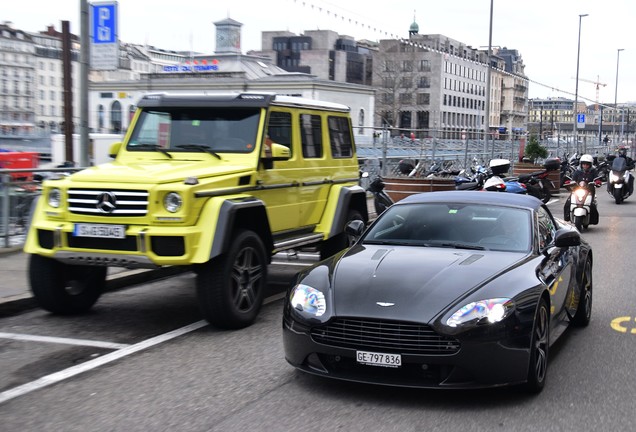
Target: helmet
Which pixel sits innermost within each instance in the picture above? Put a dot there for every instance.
(587, 158)
(622, 151)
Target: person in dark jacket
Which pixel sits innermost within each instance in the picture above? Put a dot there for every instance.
(586, 173)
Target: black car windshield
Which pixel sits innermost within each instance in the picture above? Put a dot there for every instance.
(210, 130)
(460, 226)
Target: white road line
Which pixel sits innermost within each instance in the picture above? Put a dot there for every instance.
(92, 364)
(65, 341)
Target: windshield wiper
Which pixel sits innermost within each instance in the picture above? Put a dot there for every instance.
(152, 147)
(199, 147)
(457, 245)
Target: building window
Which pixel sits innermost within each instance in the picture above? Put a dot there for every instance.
(405, 98)
(424, 82)
(407, 66)
(423, 98)
(425, 66)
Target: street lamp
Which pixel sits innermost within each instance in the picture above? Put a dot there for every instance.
(487, 122)
(576, 92)
(618, 54)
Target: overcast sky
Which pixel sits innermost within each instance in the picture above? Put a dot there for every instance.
(545, 32)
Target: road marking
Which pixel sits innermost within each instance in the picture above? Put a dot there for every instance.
(100, 361)
(617, 324)
(65, 341)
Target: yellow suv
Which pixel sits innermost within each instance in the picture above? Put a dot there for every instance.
(217, 182)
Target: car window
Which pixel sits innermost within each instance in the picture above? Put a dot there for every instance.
(547, 228)
(187, 129)
(340, 137)
(279, 129)
(311, 135)
(453, 225)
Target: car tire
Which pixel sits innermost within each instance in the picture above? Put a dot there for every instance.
(584, 310)
(231, 287)
(65, 289)
(340, 241)
(539, 348)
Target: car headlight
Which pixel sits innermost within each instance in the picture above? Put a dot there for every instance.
(172, 202)
(55, 197)
(308, 300)
(480, 312)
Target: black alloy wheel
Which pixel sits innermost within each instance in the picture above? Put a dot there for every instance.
(231, 287)
(584, 310)
(539, 348)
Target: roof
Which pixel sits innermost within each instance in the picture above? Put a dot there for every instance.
(475, 197)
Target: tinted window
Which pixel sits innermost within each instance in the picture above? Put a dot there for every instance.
(340, 137)
(546, 228)
(311, 135)
(279, 128)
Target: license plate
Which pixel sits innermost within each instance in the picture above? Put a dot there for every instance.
(379, 359)
(100, 231)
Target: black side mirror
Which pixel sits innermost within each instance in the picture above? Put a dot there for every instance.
(355, 228)
(567, 238)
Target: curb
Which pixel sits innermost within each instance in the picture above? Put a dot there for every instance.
(22, 302)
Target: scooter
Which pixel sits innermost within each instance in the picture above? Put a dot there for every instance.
(381, 200)
(581, 201)
(620, 182)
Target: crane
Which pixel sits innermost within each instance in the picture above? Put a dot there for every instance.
(598, 85)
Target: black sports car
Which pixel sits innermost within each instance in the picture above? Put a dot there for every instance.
(444, 290)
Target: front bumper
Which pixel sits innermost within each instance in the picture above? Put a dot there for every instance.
(494, 359)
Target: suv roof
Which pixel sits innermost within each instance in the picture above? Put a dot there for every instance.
(260, 100)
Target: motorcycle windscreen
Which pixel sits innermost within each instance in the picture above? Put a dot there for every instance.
(619, 164)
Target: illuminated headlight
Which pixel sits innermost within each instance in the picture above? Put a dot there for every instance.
(308, 300)
(55, 197)
(580, 193)
(172, 202)
(614, 178)
(480, 312)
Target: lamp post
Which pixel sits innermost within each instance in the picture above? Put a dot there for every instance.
(576, 91)
(487, 122)
(618, 55)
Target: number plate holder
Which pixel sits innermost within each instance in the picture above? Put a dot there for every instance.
(379, 359)
(100, 231)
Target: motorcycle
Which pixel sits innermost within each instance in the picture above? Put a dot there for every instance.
(620, 184)
(381, 200)
(581, 200)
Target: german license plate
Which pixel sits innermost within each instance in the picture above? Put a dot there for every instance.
(379, 359)
(100, 231)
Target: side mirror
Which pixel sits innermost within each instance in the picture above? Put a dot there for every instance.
(355, 228)
(114, 149)
(567, 238)
(280, 152)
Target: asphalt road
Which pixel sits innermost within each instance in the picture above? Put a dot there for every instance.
(173, 372)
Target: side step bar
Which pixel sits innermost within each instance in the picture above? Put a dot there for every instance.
(296, 242)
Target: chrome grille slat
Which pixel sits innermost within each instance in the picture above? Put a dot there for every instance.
(395, 336)
(128, 202)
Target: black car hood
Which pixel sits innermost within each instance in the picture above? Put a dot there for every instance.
(410, 283)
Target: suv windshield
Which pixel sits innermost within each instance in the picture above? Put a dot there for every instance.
(211, 130)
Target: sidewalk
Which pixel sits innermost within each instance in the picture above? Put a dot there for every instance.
(15, 293)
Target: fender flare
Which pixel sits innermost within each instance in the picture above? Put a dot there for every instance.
(234, 213)
(349, 197)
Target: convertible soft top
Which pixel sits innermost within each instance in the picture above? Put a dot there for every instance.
(479, 197)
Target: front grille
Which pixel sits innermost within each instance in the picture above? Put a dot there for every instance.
(101, 202)
(388, 336)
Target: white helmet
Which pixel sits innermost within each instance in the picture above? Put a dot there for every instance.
(587, 158)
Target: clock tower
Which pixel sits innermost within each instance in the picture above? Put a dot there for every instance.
(228, 36)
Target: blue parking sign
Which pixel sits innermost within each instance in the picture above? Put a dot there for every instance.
(104, 23)
(580, 118)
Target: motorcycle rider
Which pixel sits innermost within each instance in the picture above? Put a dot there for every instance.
(629, 165)
(586, 173)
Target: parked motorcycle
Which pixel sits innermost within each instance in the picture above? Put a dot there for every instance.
(381, 200)
(581, 201)
(620, 184)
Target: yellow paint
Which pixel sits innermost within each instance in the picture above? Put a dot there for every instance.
(617, 324)
(555, 286)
